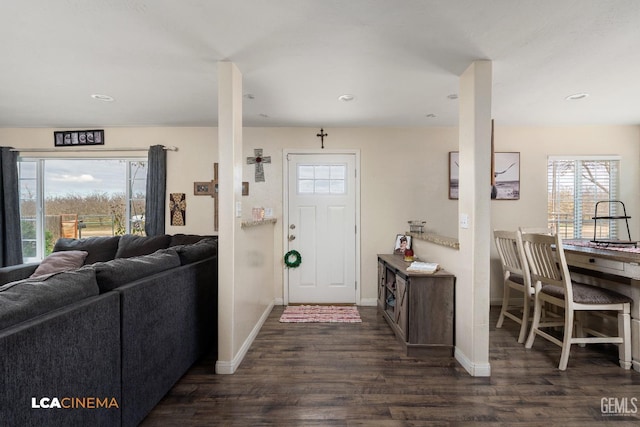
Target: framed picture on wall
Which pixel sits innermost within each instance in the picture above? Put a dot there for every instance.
(454, 174)
(505, 183)
(78, 137)
(506, 173)
(203, 188)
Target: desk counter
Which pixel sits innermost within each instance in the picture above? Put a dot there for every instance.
(615, 268)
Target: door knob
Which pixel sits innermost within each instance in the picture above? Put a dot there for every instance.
(292, 237)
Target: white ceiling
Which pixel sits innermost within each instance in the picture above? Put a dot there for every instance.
(400, 59)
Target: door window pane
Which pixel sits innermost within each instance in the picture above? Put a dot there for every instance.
(322, 186)
(337, 186)
(305, 172)
(338, 171)
(322, 179)
(305, 186)
(322, 172)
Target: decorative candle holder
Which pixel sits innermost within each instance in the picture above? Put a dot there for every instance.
(416, 226)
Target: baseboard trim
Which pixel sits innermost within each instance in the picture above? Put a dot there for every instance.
(368, 302)
(474, 369)
(229, 367)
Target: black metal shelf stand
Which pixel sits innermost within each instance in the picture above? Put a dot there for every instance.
(596, 218)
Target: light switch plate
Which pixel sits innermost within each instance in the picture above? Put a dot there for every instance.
(464, 220)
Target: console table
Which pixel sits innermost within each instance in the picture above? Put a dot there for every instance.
(614, 268)
(419, 307)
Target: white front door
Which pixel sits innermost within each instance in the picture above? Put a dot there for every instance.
(322, 227)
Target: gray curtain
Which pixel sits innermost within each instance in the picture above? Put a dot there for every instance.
(11, 248)
(156, 191)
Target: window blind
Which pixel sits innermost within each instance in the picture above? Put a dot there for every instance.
(574, 187)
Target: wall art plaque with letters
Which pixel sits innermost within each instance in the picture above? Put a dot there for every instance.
(71, 138)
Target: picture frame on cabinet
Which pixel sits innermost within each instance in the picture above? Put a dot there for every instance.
(403, 242)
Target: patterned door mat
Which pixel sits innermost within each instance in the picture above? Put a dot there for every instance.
(320, 314)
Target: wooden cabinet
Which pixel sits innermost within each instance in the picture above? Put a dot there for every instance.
(419, 307)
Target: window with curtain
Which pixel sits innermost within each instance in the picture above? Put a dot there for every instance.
(79, 198)
(575, 185)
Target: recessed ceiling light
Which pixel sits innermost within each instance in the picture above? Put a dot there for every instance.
(430, 116)
(101, 97)
(453, 96)
(346, 97)
(576, 96)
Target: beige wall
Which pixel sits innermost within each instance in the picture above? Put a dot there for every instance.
(253, 292)
(404, 175)
(197, 151)
(535, 144)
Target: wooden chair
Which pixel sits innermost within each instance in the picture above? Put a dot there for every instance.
(69, 226)
(516, 276)
(552, 283)
(537, 230)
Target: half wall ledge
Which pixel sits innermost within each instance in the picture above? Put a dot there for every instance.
(448, 242)
(249, 224)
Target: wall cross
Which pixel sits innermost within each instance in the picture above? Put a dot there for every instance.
(321, 135)
(259, 160)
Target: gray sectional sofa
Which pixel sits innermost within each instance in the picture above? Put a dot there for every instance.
(101, 344)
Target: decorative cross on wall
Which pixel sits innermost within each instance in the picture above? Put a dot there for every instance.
(321, 135)
(178, 208)
(210, 188)
(259, 160)
(204, 188)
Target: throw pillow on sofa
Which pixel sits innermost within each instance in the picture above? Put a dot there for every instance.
(131, 245)
(28, 298)
(120, 271)
(60, 261)
(99, 248)
(205, 248)
(187, 239)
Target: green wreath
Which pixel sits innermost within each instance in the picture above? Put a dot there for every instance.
(295, 262)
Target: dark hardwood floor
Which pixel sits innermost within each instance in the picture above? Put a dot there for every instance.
(356, 375)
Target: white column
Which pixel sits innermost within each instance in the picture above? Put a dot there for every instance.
(229, 196)
(474, 207)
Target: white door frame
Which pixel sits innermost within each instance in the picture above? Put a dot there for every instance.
(285, 210)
